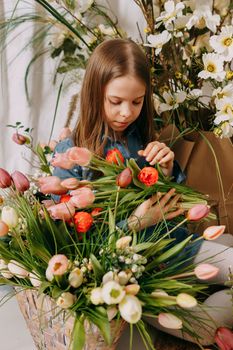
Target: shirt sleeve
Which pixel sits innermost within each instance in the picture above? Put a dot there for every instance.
(177, 174)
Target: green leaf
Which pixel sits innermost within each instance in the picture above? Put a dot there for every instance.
(43, 287)
(169, 253)
(111, 221)
(56, 292)
(78, 334)
(97, 268)
(99, 317)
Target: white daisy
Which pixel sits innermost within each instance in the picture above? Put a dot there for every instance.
(213, 67)
(223, 43)
(225, 93)
(226, 130)
(172, 101)
(203, 17)
(172, 11)
(158, 40)
(225, 113)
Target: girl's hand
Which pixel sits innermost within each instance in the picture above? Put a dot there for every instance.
(155, 209)
(158, 152)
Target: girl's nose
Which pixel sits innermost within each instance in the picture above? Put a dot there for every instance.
(125, 111)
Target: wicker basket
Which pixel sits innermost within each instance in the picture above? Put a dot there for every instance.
(51, 327)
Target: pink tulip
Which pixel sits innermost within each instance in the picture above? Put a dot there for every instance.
(82, 197)
(124, 179)
(206, 271)
(61, 160)
(71, 184)
(48, 203)
(198, 212)
(64, 134)
(3, 228)
(58, 264)
(213, 232)
(19, 139)
(5, 178)
(62, 211)
(51, 185)
(52, 144)
(168, 320)
(224, 338)
(20, 181)
(80, 155)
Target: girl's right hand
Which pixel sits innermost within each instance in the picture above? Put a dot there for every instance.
(155, 209)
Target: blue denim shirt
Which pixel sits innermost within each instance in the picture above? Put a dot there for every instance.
(134, 144)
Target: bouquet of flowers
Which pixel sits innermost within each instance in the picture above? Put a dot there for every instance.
(76, 254)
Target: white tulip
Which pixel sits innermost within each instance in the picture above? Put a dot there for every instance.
(111, 312)
(17, 269)
(130, 309)
(10, 216)
(112, 293)
(124, 277)
(186, 301)
(96, 296)
(66, 300)
(76, 277)
(4, 270)
(168, 320)
(34, 279)
(49, 275)
(109, 276)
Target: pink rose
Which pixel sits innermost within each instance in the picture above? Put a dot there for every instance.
(58, 265)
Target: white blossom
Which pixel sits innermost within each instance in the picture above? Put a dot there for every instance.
(223, 43)
(170, 13)
(96, 296)
(213, 67)
(17, 269)
(158, 40)
(66, 300)
(172, 101)
(203, 17)
(130, 309)
(112, 293)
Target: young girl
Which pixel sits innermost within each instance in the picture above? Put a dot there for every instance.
(116, 112)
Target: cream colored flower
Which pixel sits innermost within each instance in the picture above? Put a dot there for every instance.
(112, 293)
(225, 93)
(172, 101)
(223, 43)
(169, 320)
(203, 17)
(123, 242)
(213, 67)
(10, 216)
(96, 296)
(66, 300)
(170, 13)
(34, 279)
(224, 130)
(130, 309)
(186, 301)
(17, 269)
(225, 113)
(158, 40)
(76, 277)
(4, 270)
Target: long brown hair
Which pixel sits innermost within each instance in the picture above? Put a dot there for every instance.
(111, 59)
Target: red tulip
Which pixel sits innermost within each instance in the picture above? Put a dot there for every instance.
(224, 338)
(148, 175)
(124, 179)
(5, 179)
(198, 212)
(51, 185)
(213, 232)
(83, 221)
(79, 155)
(113, 155)
(21, 182)
(19, 139)
(206, 271)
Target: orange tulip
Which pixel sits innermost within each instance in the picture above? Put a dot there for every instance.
(83, 221)
(148, 175)
(113, 155)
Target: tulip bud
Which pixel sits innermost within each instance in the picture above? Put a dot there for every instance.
(198, 212)
(205, 271)
(213, 232)
(34, 279)
(5, 179)
(10, 216)
(20, 139)
(76, 277)
(124, 179)
(71, 183)
(132, 289)
(4, 270)
(168, 320)
(159, 293)
(186, 301)
(3, 228)
(17, 269)
(123, 242)
(130, 309)
(66, 300)
(96, 296)
(20, 181)
(224, 338)
(49, 275)
(111, 312)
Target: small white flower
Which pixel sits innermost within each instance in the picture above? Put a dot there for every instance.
(130, 309)
(134, 268)
(225, 93)
(158, 40)
(109, 276)
(76, 277)
(112, 293)
(223, 43)
(213, 67)
(96, 296)
(203, 17)
(224, 130)
(107, 30)
(17, 269)
(66, 300)
(172, 11)
(128, 261)
(172, 101)
(225, 113)
(123, 277)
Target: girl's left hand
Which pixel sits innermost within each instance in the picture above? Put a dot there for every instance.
(158, 152)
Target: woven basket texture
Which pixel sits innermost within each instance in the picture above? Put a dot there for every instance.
(51, 327)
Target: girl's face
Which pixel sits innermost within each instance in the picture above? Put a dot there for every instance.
(123, 100)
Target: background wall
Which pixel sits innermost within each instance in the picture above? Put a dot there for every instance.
(39, 111)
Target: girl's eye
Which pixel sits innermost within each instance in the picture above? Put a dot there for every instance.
(115, 102)
(137, 102)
